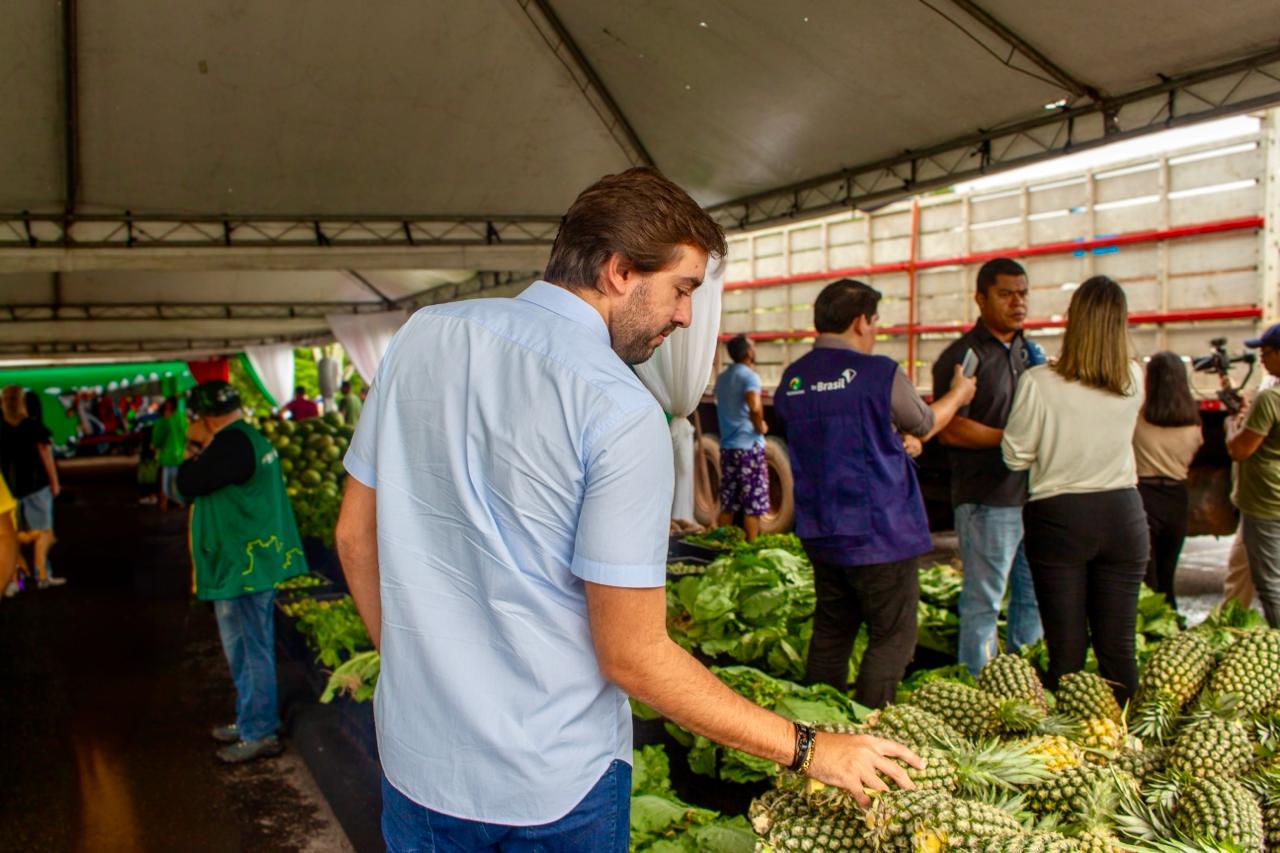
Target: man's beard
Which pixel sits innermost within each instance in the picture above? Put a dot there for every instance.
(632, 330)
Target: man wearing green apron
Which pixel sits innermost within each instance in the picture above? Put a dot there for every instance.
(243, 542)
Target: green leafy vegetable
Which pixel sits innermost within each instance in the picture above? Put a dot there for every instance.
(663, 823)
(355, 678)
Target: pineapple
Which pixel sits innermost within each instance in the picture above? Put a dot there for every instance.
(1032, 842)
(911, 726)
(817, 834)
(1073, 792)
(1011, 677)
(1175, 673)
(1271, 822)
(1092, 841)
(975, 713)
(1250, 671)
(1141, 763)
(1059, 752)
(933, 820)
(1222, 810)
(1211, 747)
(1102, 738)
(1086, 696)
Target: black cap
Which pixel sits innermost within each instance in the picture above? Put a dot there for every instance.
(1270, 338)
(215, 397)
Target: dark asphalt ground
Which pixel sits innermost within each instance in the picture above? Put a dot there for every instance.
(108, 688)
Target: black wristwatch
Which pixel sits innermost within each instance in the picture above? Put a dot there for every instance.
(805, 736)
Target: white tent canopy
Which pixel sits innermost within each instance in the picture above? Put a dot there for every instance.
(216, 155)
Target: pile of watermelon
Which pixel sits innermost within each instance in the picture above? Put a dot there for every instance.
(311, 454)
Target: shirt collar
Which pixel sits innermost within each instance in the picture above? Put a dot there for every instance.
(827, 340)
(564, 302)
(981, 331)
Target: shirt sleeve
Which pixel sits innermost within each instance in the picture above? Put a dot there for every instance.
(1262, 414)
(1026, 424)
(227, 461)
(361, 460)
(752, 383)
(910, 413)
(626, 509)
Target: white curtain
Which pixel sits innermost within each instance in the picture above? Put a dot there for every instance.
(274, 366)
(678, 374)
(365, 337)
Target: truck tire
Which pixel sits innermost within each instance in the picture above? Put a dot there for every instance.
(706, 481)
(782, 504)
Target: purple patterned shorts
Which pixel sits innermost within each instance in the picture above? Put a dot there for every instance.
(744, 481)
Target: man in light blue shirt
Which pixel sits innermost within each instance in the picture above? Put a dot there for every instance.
(504, 535)
(744, 477)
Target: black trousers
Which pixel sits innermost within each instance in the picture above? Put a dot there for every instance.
(1165, 502)
(1088, 555)
(884, 598)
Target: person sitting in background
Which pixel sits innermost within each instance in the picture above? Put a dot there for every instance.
(744, 478)
(1164, 443)
(987, 497)
(1253, 441)
(26, 452)
(1071, 426)
(859, 512)
(169, 438)
(300, 408)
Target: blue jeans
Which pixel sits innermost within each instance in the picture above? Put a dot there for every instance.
(248, 639)
(169, 483)
(993, 556)
(598, 824)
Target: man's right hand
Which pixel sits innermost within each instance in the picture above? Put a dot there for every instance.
(856, 763)
(963, 386)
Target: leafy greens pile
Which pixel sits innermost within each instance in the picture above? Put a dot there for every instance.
(754, 606)
(663, 823)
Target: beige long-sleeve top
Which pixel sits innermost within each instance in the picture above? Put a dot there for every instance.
(1072, 438)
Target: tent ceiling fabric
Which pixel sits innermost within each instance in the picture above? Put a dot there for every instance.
(422, 108)
(439, 107)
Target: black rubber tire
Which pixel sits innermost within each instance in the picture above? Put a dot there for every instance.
(782, 504)
(706, 481)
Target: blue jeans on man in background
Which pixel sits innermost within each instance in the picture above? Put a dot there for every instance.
(600, 823)
(993, 556)
(247, 629)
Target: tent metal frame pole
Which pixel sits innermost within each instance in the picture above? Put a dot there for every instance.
(1236, 87)
(1068, 81)
(1247, 84)
(70, 107)
(565, 49)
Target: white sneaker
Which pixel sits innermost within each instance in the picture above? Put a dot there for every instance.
(11, 590)
(52, 581)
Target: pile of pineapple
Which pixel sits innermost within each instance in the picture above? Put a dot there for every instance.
(1193, 763)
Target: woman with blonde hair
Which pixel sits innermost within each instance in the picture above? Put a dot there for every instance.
(26, 462)
(1071, 426)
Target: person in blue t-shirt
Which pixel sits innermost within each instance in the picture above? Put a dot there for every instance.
(744, 479)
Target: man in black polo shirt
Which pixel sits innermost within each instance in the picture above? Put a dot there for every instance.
(987, 496)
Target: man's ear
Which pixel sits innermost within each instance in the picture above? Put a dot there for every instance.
(617, 276)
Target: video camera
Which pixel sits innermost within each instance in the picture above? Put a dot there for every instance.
(1219, 361)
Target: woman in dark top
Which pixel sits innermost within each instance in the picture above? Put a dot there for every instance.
(1164, 443)
(26, 456)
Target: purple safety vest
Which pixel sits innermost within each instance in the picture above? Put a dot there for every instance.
(857, 499)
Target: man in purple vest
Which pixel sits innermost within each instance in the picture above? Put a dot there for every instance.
(859, 511)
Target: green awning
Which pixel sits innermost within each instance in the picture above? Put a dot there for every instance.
(167, 377)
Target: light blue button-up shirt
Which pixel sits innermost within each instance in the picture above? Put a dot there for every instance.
(514, 456)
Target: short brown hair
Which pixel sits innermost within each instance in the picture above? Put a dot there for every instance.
(640, 215)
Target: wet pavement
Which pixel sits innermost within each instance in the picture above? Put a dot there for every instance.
(108, 688)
